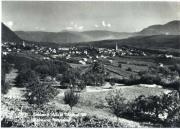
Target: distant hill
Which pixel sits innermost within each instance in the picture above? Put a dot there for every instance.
(8, 35)
(169, 37)
(154, 41)
(71, 36)
(170, 28)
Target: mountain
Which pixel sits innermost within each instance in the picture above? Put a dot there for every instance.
(70, 36)
(8, 35)
(153, 41)
(170, 28)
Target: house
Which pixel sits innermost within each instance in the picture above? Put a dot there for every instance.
(169, 56)
(161, 65)
(82, 62)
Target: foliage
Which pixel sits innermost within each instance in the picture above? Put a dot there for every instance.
(96, 74)
(25, 77)
(72, 77)
(116, 102)
(71, 98)
(175, 67)
(6, 68)
(129, 69)
(174, 84)
(119, 65)
(5, 88)
(40, 93)
(149, 78)
(159, 109)
(43, 70)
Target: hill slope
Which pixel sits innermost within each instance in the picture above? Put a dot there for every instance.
(8, 35)
(70, 36)
(154, 41)
(170, 28)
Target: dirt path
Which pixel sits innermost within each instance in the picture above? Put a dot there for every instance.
(10, 77)
(14, 92)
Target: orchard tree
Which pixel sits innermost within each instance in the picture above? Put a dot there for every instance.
(71, 98)
(25, 77)
(116, 102)
(40, 93)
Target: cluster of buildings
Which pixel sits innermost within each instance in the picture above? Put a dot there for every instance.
(85, 54)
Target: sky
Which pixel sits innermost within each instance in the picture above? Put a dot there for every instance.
(120, 16)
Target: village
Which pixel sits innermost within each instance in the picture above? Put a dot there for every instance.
(83, 54)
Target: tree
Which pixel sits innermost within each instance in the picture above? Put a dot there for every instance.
(119, 65)
(25, 77)
(6, 68)
(40, 93)
(43, 70)
(73, 78)
(116, 102)
(71, 98)
(129, 69)
(96, 74)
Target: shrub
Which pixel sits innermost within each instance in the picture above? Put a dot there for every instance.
(175, 85)
(25, 77)
(116, 102)
(73, 77)
(119, 65)
(5, 88)
(177, 68)
(151, 108)
(162, 109)
(149, 78)
(43, 70)
(129, 69)
(71, 98)
(95, 75)
(39, 93)
(6, 68)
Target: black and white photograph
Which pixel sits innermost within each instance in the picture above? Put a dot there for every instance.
(90, 64)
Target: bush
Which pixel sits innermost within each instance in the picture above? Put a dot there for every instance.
(71, 98)
(95, 76)
(116, 102)
(43, 70)
(164, 109)
(5, 88)
(73, 78)
(39, 93)
(119, 65)
(129, 69)
(175, 85)
(149, 78)
(6, 68)
(25, 77)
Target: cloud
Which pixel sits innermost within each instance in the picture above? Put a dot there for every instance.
(96, 25)
(42, 29)
(71, 23)
(69, 28)
(9, 24)
(109, 25)
(81, 27)
(103, 23)
(75, 27)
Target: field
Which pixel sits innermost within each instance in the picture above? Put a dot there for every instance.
(92, 109)
(92, 103)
